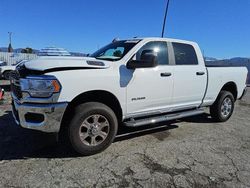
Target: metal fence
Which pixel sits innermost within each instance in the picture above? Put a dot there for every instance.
(13, 58)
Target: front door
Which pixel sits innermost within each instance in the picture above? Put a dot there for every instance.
(150, 89)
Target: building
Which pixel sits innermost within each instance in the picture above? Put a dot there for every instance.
(53, 51)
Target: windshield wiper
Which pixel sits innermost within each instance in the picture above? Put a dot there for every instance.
(106, 58)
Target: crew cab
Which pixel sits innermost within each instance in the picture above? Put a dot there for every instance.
(131, 83)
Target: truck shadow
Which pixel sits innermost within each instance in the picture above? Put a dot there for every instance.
(18, 143)
(202, 118)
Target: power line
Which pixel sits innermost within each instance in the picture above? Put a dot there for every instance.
(165, 17)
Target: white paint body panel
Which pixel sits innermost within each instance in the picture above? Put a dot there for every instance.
(148, 83)
(184, 89)
(189, 88)
(7, 68)
(10, 67)
(218, 76)
(47, 62)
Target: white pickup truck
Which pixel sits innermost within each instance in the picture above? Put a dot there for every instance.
(126, 83)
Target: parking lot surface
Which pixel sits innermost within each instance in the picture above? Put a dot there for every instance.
(193, 152)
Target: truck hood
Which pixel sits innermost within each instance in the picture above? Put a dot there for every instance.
(65, 63)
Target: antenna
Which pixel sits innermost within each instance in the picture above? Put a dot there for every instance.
(165, 17)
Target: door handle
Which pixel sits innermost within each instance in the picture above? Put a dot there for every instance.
(200, 73)
(165, 74)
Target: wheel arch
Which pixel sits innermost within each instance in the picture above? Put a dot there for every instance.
(5, 71)
(101, 96)
(231, 87)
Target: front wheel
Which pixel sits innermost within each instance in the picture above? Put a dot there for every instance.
(6, 75)
(93, 128)
(223, 107)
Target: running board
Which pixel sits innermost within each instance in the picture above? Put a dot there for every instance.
(167, 117)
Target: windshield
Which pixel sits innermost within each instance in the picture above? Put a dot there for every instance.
(19, 62)
(115, 50)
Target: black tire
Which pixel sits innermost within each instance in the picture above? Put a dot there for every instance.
(6, 75)
(85, 112)
(216, 111)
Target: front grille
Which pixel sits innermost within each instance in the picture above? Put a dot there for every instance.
(15, 112)
(24, 72)
(21, 72)
(15, 84)
(16, 90)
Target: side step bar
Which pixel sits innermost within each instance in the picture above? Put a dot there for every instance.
(167, 117)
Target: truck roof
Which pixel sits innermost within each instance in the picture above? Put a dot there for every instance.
(163, 39)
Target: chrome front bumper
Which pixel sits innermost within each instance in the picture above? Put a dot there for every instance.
(42, 117)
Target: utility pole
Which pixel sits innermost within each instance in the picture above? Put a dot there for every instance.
(165, 17)
(10, 49)
(10, 33)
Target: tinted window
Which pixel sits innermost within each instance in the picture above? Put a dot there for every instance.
(115, 50)
(160, 48)
(184, 54)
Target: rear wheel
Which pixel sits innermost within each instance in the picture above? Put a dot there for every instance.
(93, 128)
(223, 107)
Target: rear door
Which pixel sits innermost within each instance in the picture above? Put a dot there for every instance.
(190, 77)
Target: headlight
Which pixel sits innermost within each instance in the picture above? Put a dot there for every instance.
(40, 86)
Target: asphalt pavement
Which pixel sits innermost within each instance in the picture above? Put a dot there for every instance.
(192, 152)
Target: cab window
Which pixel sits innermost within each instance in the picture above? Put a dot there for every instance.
(160, 48)
(184, 54)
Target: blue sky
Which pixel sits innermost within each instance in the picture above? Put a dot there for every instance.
(221, 27)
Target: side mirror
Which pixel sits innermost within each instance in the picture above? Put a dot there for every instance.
(148, 59)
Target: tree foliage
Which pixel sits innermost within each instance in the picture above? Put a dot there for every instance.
(27, 50)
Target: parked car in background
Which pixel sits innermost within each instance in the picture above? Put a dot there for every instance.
(126, 83)
(5, 69)
(3, 63)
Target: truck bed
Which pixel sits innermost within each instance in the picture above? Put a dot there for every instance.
(219, 75)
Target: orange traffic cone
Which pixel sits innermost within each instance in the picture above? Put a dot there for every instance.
(1, 93)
